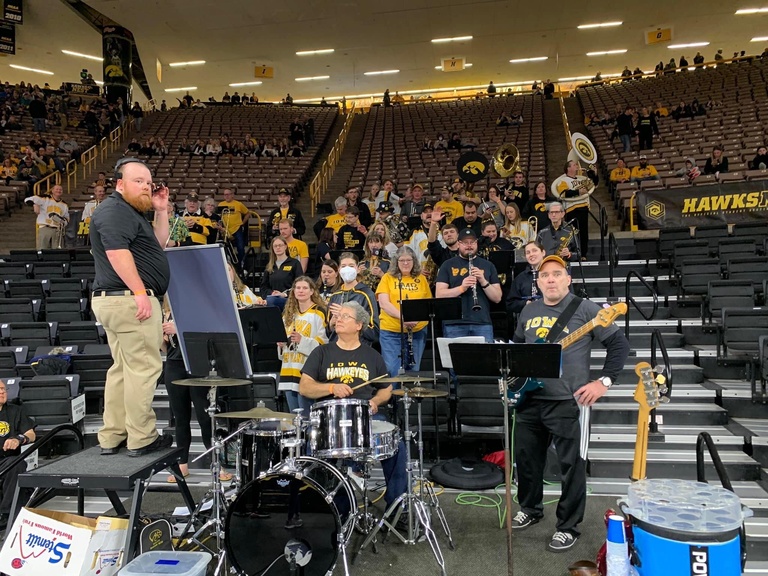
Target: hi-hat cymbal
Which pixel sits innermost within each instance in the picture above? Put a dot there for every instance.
(211, 381)
(419, 392)
(403, 380)
(257, 414)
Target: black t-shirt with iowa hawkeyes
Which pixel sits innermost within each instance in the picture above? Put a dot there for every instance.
(13, 421)
(332, 364)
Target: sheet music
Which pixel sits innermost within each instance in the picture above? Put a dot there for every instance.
(444, 351)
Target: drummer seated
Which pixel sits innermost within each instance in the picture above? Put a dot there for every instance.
(337, 370)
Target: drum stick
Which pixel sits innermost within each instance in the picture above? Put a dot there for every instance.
(369, 381)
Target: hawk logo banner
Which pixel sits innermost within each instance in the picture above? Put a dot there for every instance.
(472, 166)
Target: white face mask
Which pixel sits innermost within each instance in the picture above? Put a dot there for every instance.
(348, 273)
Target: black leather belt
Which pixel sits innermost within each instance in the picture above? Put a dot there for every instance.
(99, 293)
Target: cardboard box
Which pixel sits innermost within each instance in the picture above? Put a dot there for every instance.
(47, 543)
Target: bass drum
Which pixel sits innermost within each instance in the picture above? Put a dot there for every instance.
(256, 537)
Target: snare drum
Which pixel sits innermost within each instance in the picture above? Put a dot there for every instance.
(341, 428)
(262, 447)
(385, 438)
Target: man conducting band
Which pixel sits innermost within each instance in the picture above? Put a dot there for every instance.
(333, 370)
(131, 273)
(558, 238)
(560, 410)
(52, 213)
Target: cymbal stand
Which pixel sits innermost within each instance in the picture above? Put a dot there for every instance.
(409, 503)
(365, 519)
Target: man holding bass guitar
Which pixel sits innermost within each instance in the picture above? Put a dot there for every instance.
(559, 409)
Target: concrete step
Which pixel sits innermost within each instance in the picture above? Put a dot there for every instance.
(679, 413)
(682, 372)
(680, 393)
(757, 538)
(672, 436)
(756, 568)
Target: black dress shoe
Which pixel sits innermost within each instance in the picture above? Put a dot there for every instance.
(112, 451)
(159, 443)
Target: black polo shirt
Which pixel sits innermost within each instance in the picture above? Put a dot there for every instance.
(13, 421)
(117, 225)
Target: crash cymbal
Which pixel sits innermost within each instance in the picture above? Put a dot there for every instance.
(404, 380)
(419, 392)
(257, 414)
(212, 381)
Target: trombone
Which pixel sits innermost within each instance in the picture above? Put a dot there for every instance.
(61, 228)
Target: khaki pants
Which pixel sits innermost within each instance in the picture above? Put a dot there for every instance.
(132, 379)
(46, 236)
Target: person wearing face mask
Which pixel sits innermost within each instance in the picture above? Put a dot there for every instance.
(352, 290)
(279, 274)
(521, 292)
(644, 171)
(553, 236)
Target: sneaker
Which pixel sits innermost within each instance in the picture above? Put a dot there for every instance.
(562, 541)
(294, 521)
(523, 520)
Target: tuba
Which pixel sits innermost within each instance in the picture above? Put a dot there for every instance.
(506, 160)
(582, 150)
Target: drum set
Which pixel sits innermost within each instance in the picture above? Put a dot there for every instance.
(302, 486)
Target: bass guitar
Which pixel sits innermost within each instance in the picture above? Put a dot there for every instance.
(648, 394)
(517, 390)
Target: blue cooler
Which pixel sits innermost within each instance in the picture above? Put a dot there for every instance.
(684, 528)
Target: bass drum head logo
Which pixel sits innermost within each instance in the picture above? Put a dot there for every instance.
(655, 210)
(472, 166)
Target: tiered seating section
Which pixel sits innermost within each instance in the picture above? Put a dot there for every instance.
(254, 179)
(393, 138)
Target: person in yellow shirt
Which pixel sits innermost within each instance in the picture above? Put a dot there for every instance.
(644, 171)
(296, 248)
(661, 110)
(401, 347)
(198, 223)
(339, 219)
(620, 174)
(234, 218)
(449, 206)
(8, 170)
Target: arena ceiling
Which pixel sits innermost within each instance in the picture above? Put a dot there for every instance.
(236, 36)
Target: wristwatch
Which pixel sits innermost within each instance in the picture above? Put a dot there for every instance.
(606, 381)
(22, 438)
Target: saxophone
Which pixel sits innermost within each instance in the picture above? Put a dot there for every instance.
(367, 276)
(564, 241)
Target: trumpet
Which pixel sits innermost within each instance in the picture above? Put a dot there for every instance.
(475, 302)
(533, 222)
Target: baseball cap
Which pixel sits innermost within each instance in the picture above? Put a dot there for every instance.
(643, 157)
(457, 180)
(428, 205)
(417, 185)
(385, 206)
(283, 191)
(192, 197)
(467, 233)
(553, 258)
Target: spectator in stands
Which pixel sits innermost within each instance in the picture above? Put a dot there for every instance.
(537, 205)
(213, 148)
(718, 56)
(198, 104)
(455, 141)
(101, 180)
(29, 172)
(764, 55)
(353, 199)
(593, 120)
(309, 130)
(12, 123)
(469, 219)
(51, 212)
(69, 147)
(598, 78)
(18, 430)
(683, 63)
(138, 116)
(184, 147)
(637, 73)
(99, 194)
(697, 109)
(296, 248)
(660, 111)
(449, 206)
(148, 148)
(759, 162)
(644, 171)
(234, 217)
(297, 151)
(296, 130)
(187, 98)
(549, 89)
(163, 106)
(626, 74)
(199, 148)
(441, 143)
(226, 145)
(279, 274)
(414, 205)
(8, 171)
(39, 113)
(491, 90)
(37, 142)
(698, 60)
(683, 110)
(325, 245)
(209, 210)
(226, 98)
(470, 142)
(133, 149)
(717, 163)
(386, 100)
(659, 68)
(690, 170)
(160, 148)
(235, 98)
(620, 175)
(670, 68)
(646, 129)
(625, 128)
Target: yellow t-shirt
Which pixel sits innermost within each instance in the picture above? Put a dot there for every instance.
(233, 219)
(413, 289)
(648, 172)
(452, 210)
(618, 174)
(336, 221)
(298, 249)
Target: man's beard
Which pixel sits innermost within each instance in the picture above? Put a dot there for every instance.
(139, 202)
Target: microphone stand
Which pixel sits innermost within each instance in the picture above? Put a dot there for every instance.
(402, 324)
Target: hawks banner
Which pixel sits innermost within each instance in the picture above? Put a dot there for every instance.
(117, 48)
(731, 203)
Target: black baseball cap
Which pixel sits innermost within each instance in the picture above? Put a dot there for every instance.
(283, 191)
(467, 233)
(385, 206)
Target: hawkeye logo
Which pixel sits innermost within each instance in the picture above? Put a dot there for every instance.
(4, 428)
(542, 325)
(347, 374)
(473, 167)
(728, 203)
(655, 210)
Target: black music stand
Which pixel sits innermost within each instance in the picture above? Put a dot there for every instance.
(503, 260)
(506, 361)
(263, 328)
(432, 309)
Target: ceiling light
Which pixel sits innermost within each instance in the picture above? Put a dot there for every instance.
(190, 63)
(759, 39)
(313, 52)
(752, 10)
(469, 65)
(380, 72)
(185, 88)
(309, 78)
(256, 83)
(80, 55)
(689, 45)
(606, 52)
(31, 69)
(534, 59)
(599, 25)
(454, 39)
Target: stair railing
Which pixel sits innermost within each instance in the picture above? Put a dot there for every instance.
(613, 262)
(319, 183)
(631, 300)
(657, 344)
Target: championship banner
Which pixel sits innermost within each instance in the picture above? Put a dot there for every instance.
(13, 11)
(117, 48)
(82, 89)
(732, 203)
(7, 39)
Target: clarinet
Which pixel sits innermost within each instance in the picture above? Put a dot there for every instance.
(475, 302)
(409, 348)
(534, 287)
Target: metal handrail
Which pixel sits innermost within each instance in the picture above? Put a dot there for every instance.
(613, 262)
(320, 182)
(71, 171)
(54, 177)
(631, 300)
(657, 340)
(40, 443)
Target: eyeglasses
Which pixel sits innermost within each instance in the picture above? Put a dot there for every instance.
(405, 260)
(345, 316)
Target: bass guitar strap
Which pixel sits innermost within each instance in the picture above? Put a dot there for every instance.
(563, 319)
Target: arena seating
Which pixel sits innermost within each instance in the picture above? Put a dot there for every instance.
(739, 124)
(392, 142)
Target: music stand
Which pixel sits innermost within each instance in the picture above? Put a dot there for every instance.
(263, 328)
(506, 361)
(432, 309)
(503, 260)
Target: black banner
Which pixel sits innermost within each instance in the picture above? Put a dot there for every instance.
(7, 39)
(117, 49)
(13, 11)
(731, 203)
(82, 89)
